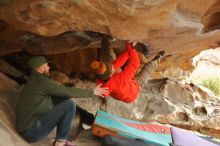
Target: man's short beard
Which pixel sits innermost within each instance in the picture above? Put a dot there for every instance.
(47, 74)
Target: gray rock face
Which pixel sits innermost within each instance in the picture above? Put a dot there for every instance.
(166, 101)
(9, 91)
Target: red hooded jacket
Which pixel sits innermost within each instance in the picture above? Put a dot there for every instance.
(122, 86)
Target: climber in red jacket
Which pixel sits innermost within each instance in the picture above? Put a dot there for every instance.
(122, 85)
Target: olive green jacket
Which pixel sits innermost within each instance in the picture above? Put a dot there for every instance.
(36, 98)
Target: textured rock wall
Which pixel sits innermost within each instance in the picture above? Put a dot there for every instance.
(51, 27)
(9, 91)
(166, 101)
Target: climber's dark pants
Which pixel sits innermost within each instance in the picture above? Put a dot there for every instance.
(145, 74)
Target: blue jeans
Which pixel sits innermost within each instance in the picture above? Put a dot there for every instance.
(60, 116)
